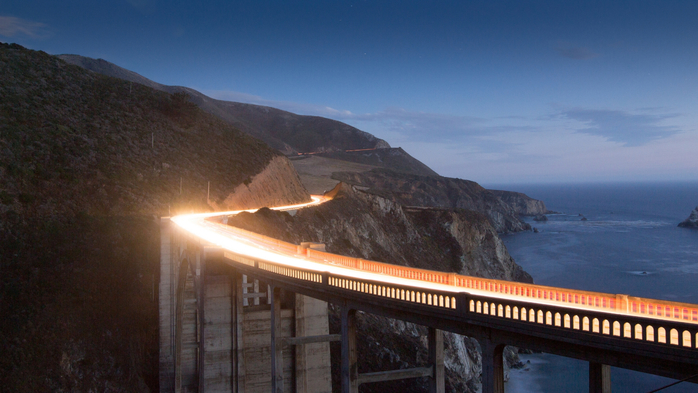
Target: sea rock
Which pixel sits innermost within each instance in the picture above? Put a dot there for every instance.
(691, 221)
(540, 217)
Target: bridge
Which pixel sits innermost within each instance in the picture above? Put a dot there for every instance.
(210, 292)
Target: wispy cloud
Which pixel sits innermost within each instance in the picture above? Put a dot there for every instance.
(619, 126)
(572, 51)
(11, 26)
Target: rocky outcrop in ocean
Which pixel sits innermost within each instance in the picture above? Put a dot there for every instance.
(691, 221)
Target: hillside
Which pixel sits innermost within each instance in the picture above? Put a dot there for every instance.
(284, 131)
(87, 164)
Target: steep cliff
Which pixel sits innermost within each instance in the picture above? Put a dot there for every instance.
(691, 221)
(522, 203)
(369, 226)
(278, 184)
(440, 192)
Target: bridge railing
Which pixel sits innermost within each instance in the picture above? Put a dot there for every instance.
(652, 308)
(677, 334)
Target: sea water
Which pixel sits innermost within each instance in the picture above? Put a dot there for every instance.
(613, 238)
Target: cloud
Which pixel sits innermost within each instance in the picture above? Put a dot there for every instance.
(11, 26)
(571, 51)
(623, 127)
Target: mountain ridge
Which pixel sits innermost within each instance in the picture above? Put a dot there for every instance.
(285, 131)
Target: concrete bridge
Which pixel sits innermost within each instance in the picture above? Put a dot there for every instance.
(221, 331)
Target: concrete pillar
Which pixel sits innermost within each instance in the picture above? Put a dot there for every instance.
(239, 367)
(599, 378)
(277, 364)
(166, 308)
(492, 366)
(436, 359)
(313, 370)
(349, 370)
(201, 304)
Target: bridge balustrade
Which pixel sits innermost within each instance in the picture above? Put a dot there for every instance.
(656, 309)
(617, 326)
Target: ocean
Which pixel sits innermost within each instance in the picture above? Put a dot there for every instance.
(628, 244)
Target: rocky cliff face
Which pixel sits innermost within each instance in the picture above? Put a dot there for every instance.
(440, 192)
(691, 221)
(365, 225)
(278, 184)
(522, 203)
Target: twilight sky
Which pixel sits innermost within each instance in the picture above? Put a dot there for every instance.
(492, 91)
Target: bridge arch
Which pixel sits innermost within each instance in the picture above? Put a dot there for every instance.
(649, 333)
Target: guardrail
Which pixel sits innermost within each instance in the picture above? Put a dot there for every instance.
(649, 308)
(633, 328)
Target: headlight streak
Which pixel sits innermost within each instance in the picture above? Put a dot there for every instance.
(224, 236)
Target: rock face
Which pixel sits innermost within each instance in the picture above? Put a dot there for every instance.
(278, 184)
(522, 203)
(691, 221)
(439, 192)
(369, 226)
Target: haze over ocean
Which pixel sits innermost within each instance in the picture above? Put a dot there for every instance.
(629, 244)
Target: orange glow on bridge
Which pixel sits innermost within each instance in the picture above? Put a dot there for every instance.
(264, 248)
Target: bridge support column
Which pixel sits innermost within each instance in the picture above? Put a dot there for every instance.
(492, 366)
(349, 370)
(201, 304)
(599, 378)
(436, 359)
(277, 364)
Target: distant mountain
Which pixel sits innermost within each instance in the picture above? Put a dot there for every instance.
(284, 131)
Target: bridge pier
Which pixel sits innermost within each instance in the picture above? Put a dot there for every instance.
(599, 378)
(492, 366)
(349, 368)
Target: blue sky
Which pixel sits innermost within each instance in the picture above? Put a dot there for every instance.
(492, 91)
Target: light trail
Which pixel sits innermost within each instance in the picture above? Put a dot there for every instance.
(228, 238)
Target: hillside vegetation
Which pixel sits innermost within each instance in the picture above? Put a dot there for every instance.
(282, 130)
(87, 163)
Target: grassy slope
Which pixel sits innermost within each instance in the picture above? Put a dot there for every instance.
(81, 182)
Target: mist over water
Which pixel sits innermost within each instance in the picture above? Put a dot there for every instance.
(628, 244)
